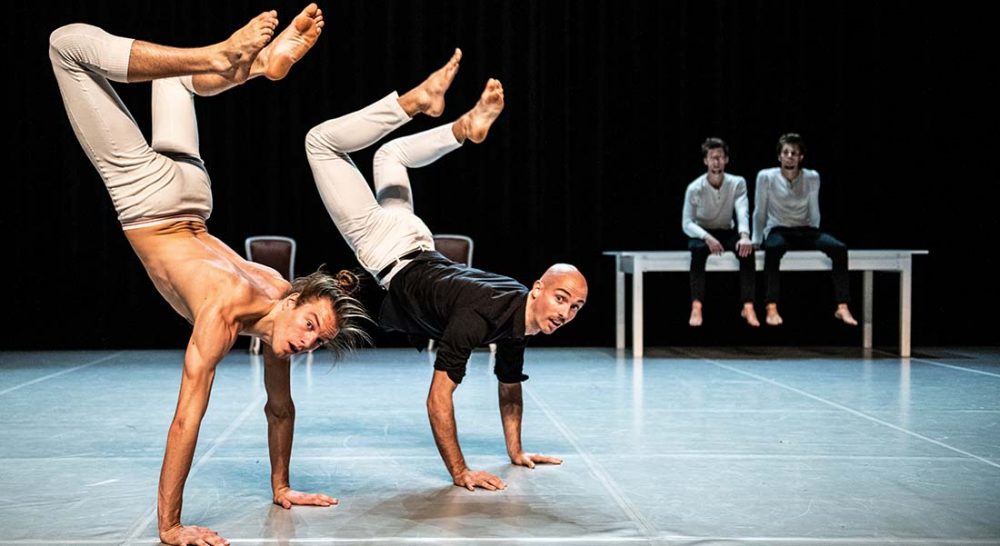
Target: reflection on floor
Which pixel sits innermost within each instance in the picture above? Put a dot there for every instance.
(685, 446)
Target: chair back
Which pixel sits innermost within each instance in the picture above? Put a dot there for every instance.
(457, 248)
(274, 251)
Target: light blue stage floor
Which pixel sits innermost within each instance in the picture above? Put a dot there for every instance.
(699, 446)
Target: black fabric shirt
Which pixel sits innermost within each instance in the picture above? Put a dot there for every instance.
(461, 307)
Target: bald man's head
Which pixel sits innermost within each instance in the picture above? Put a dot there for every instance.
(559, 270)
(555, 299)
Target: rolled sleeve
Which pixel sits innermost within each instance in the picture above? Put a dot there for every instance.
(509, 366)
(465, 332)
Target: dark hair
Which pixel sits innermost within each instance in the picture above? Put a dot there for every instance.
(712, 143)
(792, 139)
(350, 313)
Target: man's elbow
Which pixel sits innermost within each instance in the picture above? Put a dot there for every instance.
(183, 424)
(279, 412)
(438, 401)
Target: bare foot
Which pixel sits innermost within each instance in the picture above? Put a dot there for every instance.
(292, 44)
(844, 314)
(773, 318)
(750, 315)
(476, 123)
(428, 97)
(696, 319)
(241, 49)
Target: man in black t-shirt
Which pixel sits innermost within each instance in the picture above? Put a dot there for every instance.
(429, 295)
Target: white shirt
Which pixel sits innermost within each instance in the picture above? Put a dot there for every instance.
(778, 202)
(707, 207)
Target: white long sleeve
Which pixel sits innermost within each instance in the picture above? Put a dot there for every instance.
(706, 207)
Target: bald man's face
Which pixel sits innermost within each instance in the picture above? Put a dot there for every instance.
(555, 299)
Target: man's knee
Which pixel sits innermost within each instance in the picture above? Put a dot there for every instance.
(832, 247)
(697, 248)
(314, 142)
(387, 152)
(320, 144)
(69, 40)
(774, 246)
(835, 245)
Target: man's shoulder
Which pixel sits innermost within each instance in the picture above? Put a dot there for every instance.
(231, 298)
(696, 184)
(735, 179)
(770, 172)
(492, 279)
(810, 174)
(244, 290)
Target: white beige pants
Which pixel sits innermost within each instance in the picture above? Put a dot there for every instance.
(383, 229)
(148, 184)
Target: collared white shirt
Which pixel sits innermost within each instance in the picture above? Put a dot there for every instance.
(707, 207)
(778, 202)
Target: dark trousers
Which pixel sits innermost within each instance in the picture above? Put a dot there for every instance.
(699, 254)
(783, 239)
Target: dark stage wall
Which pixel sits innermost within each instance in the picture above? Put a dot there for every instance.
(607, 104)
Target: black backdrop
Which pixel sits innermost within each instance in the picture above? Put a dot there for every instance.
(607, 103)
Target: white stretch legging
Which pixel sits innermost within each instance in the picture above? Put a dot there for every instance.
(379, 231)
(148, 184)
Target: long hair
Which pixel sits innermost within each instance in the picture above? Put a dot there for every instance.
(339, 289)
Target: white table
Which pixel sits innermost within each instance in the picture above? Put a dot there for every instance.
(638, 262)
